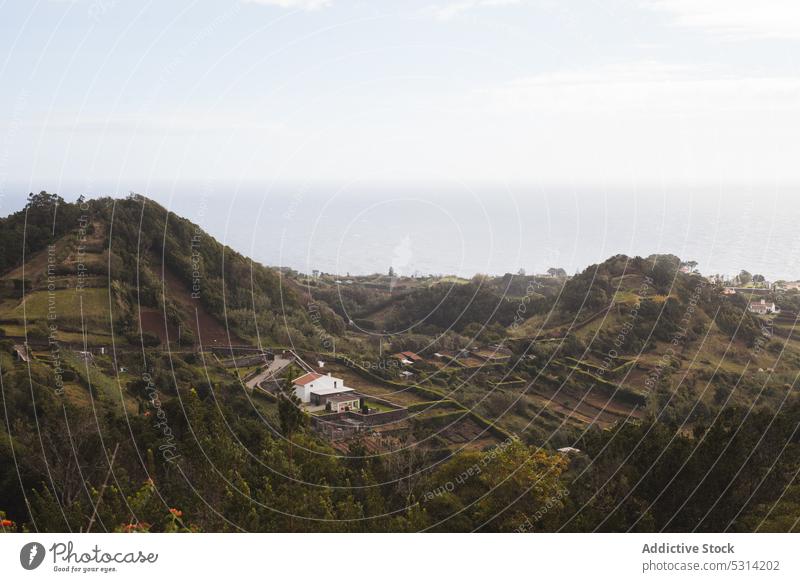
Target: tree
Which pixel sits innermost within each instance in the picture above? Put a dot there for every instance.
(524, 488)
(290, 414)
(556, 272)
(663, 273)
(43, 200)
(691, 265)
(585, 291)
(745, 278)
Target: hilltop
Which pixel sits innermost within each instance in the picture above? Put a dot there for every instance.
(130, 269)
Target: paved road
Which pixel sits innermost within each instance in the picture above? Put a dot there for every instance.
(275, 367)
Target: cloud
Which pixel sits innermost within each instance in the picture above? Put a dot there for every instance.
(293, 4)
(646, 87)
(735, 19)
(159, 125)
(454, 9)
(642, 121)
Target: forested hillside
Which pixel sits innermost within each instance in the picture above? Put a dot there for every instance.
(142, 274)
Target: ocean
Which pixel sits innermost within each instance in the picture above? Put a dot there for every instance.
(434, 229)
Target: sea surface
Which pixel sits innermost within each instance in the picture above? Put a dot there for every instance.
(444, 229)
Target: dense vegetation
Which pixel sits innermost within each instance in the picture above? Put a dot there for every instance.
(217, 464)
(45, 218)
(228, 469)
(220, 464)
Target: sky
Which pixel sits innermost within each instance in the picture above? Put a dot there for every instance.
(678, 92)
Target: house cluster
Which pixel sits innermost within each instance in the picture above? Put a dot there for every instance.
(763, 307)
(731, 286)
(788, 285)
(319, 390)
(407, 358)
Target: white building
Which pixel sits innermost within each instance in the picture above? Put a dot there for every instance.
(763, 307)
(313, 388)
(343, 402)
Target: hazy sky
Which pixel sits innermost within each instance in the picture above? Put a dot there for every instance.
(543, 92)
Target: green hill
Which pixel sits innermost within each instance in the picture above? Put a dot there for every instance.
(132, 269)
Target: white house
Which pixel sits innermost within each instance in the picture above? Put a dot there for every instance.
(763, 307)
(313, 388)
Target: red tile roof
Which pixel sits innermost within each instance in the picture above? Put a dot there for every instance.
(410, 356)
(306, 378)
